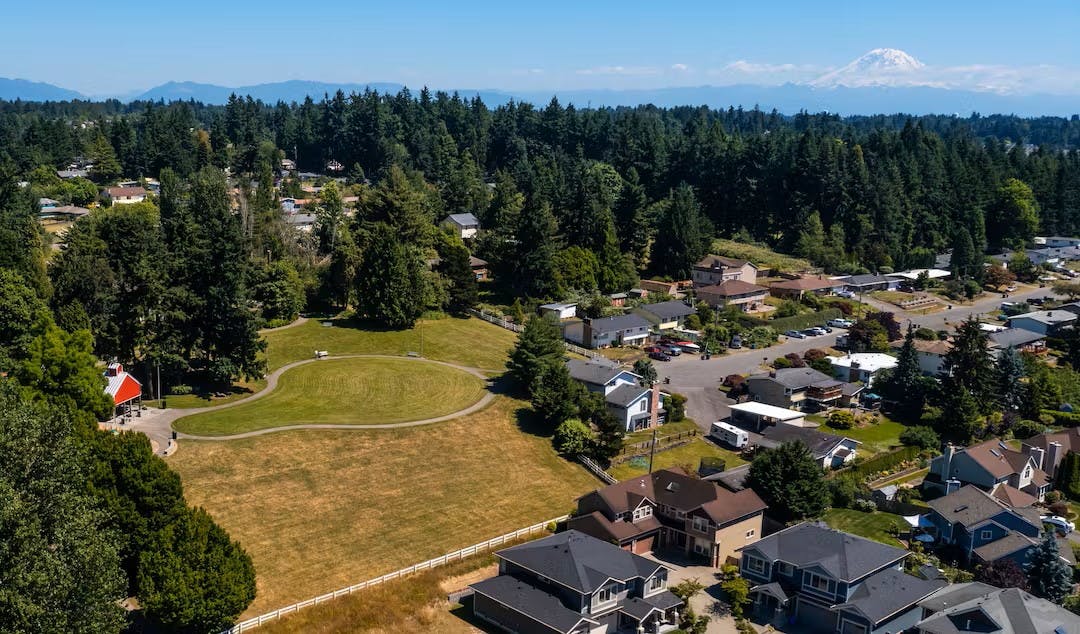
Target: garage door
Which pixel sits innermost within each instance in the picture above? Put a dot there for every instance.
(847, 627)
(816, 617)
(643, 546)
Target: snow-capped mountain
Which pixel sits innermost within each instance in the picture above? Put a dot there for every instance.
(880, 67)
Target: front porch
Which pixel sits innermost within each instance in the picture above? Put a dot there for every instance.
(769, 605)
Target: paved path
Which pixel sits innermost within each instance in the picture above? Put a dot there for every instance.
(157, 423)
(300, 321)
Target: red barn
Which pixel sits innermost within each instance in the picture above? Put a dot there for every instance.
(125, 390)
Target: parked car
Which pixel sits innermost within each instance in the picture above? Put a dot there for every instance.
(826, 329)
(814, 331)
(845, 294)
(1059, 523)
(1036, 301)
(735, 343)
(840, 323)
(652, 349)
(659, 356)
(795, 334)
(1010, 288)
(671, 349)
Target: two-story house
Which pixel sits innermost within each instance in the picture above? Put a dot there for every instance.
(985, 527)
(746, 296)
(465, 226)
(571, 583)
(604, 332)
(832, 582)
(861, 367)
(978, 608)
(666, 315)
(1049, 449)
(715, 269)
(988, 465)
(636, 407)
(931, 355)
(803, 389)
(668, 509)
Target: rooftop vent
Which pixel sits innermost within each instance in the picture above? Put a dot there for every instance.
(962, 507)
(673, 486)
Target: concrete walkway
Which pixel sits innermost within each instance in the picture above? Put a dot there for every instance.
(157, 423)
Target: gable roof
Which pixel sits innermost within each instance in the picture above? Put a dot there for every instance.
(845, 556)
(463, 220)
(536, 604)
(626, 394)
(970, 506)
(119, 192)
(618, 322)
(1012, 497)
(1049, 317)
(1069, 439)
(996, 458)
(676, 489)
(938, 346)
(818, 442)
(1013, 337)
(579, 561)
(717, 262)
(476, 262)
(120, 385)
(594, 373)
(673, 309)
(597, 525)
(885, 593)
(1012, 609)
(794, 378)
(806, 284)
(955, 594)
(864, 280)
(732, 288)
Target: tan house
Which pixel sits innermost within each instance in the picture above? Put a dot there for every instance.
(670, 509)
(1049, 449)
(748, 297)
(661, 287)
(715, 269)
(799, 287)
(125, 195)
(479, 268)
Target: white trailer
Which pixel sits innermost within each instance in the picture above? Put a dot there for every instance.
(730, 435)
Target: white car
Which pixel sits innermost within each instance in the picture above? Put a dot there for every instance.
(1060, 523)
(840, 323)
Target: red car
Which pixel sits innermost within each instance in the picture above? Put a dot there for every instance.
(652, 349)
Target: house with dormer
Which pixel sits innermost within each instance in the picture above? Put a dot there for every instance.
(670, 510)
(824, 580)
(571, 583)
(635, 406)
(988, 465)
(978, 608)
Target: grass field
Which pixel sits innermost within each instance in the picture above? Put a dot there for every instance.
(321, 510)
(763, 257)
(875, 437)
(347, 392)
(688, 456)
(870, 525)
(470, 342)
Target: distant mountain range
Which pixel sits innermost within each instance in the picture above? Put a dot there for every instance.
(883, 80)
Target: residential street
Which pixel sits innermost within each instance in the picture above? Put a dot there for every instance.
(698, 379)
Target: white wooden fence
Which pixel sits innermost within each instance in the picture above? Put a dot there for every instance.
(595, 468)
(509, 325)
(457, 555)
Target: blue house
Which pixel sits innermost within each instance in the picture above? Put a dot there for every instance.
(828, 581)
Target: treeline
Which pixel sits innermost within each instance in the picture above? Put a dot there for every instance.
(89, 519)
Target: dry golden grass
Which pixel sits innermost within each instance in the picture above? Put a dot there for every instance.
(318, 511)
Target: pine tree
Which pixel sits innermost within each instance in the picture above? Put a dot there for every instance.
(1068, 478)
(540, 342)
(554, 395)
(631, 221)
(905, 384)
(1010, 387)
(389, 282)
(457, 272)
(683, 234)
(1049, 577)
(968, 365)
(616, 270)
(534, 263)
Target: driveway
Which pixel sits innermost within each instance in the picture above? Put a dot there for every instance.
(707, 602)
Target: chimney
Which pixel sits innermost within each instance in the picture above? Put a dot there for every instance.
(654, 406)
(1054, 456)
(946, 461)
(586, 332)
(951, 486)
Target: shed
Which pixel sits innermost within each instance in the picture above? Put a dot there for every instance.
(761, 414)
(559, 310)
(125, 390)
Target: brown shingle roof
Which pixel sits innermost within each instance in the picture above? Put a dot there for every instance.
(117, 192)
(597, 525)
(676, 489)
(1013, 497)
(1069, 439)
(711, 262)
(998, 460)
(732, 288)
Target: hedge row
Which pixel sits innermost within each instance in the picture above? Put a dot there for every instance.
(884, 462)
(1064, 419)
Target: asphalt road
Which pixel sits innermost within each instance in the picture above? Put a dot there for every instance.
(698, 380)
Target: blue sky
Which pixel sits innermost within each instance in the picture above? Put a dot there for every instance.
(111, 47)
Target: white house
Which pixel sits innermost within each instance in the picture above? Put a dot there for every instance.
(635, 407)
(559, 311)
(1057, 241)
(861, 366)
(465, 225)
(931, 355)
(125, 195)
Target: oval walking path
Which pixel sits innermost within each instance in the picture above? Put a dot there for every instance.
(157, 423)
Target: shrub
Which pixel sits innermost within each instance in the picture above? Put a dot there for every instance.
(781, 363)
(926, 334)
(572, 437)
(676, 408)
(1059, 508)
(1026, 429)
(844, 492)
(180, 390)
(1053, 496)
(920, 436)
(814, 354)
(795, 360)
(867, 506)
(840, 419)
(734, 380)
(884, 462)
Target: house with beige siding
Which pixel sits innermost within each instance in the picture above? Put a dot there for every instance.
(670, 510)
(715, 269)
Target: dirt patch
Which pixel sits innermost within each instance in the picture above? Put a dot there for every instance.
(452, 584)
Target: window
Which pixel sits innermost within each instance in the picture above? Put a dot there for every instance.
(749, 533)
(656, 583)
(817, 582)
(642, 512)
(702, 547)
(986, 534)
(784, 568)
(680, 514)
(644, 404)
(753, 564)
(606, 594)
(701, 524)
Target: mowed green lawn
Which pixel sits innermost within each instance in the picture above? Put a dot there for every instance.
(873, 526)
(320, 510)
(876, 437)
(469, 342)
(360, 391)
(687, 456)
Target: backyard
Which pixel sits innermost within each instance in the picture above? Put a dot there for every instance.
(359, 391)
(687, 456)
(319, 510)
(873, 526)
(876, 437)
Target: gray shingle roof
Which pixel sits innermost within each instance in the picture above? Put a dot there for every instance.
(464, 220)
(968, 506)
(864, 280)
(625, 394)
(818, 442)
(534, 603)
(1013, 337)
(618, 323)
(797, 378)
(595, 373)
(955, 594)
(844, 556)
(579, 561)
(1012, 609)
(885, 593)
(669, 310)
